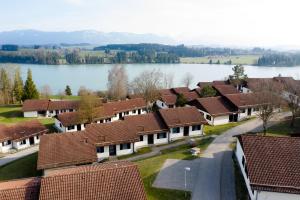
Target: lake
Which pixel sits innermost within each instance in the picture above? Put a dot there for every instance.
(95, 76)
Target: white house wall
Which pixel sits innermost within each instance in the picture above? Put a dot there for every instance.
(220, 120)
(176, 136)
(31, 114)
(160, 141)
(105, 154)
(195, 133)
(141, 144)
(162, 105)
(264, 195)
(6, 148)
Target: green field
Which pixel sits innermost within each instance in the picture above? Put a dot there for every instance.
(65, 97)
(284, 128)
(22, 168)
(243, 59)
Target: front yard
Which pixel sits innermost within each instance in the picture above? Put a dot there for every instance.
(284, 128)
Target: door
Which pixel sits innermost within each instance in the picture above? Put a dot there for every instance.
(120, 115)
(31, 141)
(79, 127)
(139, 111)
(186, 131)
(112, 150)
(249, 111)
(150, 139)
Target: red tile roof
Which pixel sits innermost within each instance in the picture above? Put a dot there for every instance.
(166, 92)
(35, 105)
(63, 105)
(180, 90)
(190, 95)
(243, 100)
(58, 150)
(108, 181)
(22, 189)
(226, 89)
(22, 130)
(215, 106)
(169, 99)
(148, 123)
(110, 133)
(182, 116)
(273, 162)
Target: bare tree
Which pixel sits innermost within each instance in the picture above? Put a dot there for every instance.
(83, 91)
(267, 96)
(46, 91)
(148, 84)
(90, 107)
(168, 81)
(292, 96)
(117, 85)
(187, 79)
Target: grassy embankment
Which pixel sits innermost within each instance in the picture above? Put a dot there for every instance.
(242, 59)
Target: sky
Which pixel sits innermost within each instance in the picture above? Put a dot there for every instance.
(218, 22)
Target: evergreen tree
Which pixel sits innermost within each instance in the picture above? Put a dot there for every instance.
(68, 90)
(18, 86)
(208, 91)
(181, 100)
(30, 91)
(5, 86)
(238, 76)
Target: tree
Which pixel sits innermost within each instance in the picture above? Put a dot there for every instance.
(168, 80)
(5, 86)
(208, 91)
(68, 91)
(181, 100)
(30, 91)
(89, 108)
(292, 94)
(267, 96)
(46, 92)
(238, 76)
(148, 84)
(187, 79)
(83, 91)
(18, 85)
(117, 85)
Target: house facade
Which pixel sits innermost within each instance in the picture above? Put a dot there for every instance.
(266, 164)
(20, 136)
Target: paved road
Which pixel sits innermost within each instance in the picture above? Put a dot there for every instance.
(20, 154)
(215, 176)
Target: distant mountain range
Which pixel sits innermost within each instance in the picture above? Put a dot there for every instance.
(31, 37)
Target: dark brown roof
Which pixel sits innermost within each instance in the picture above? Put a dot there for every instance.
(166, 92)
(190, 95)
(202, 84)
(182, 116)
(70, 118)
(226, 89)
(123, 106)
(58, 150)
(22, 189)
(243, 100)
(215, 106)
(108, 181)
(35, 105)
(110, 133)
(22, 130)
(148, 123)
(169, 99)
(273, 162)
(61, 105)
(180, 90)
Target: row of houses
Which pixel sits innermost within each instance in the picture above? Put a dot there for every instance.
(270, 166)
(100, 141)
(21, 135)
(108, 112)
(48, 107)
(107, 181)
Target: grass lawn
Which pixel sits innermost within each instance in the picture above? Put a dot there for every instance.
(150, 167)
(283, 128)
(242, 59)
(13, 114)
(72, 97)
(22, 168)
(218, 129)
(139, 152)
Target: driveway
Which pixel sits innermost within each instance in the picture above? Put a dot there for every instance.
(20, 154)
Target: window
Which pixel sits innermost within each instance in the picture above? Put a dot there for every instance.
(134, 111)
(243, 111)
(60, 125)
(176, 130)
(8, 142)
(37, 137)
(208, 117)
(125, 146)
(101, 121)
(243, 161)
(100, 149)
(196, 128)
(71, 127)
(161, 135)
(141, 138)
(127, 113)
(23, 142)
(71, 110)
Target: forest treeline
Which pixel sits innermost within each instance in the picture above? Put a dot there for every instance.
(279, 59)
